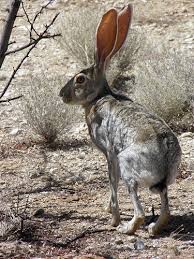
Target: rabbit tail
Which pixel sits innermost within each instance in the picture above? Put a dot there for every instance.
(172, 159)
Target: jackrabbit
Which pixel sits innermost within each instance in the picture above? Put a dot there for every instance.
(138, 145)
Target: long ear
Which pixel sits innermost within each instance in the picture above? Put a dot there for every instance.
(124, 22)
(106, 36)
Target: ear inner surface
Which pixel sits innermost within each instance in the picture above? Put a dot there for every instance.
(124, 21)
(106, 37)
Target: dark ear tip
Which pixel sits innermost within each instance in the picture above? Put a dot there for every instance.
(130, 6)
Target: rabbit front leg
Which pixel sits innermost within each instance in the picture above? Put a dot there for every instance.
(155, 228)
(113, 206)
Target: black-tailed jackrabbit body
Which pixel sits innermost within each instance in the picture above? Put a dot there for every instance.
(138, 145)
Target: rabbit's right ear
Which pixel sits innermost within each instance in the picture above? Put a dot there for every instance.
(124, 22)
(106, 36)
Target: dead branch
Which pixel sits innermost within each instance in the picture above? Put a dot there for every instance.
(40, 12)
(15, 71)
(43, 35)
(34, 41)
(31, 23)
(80, 235)
(88, 231)
(4, 41)
(11, 99)
(12, 42)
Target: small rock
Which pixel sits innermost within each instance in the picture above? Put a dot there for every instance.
(75, 198)
(184, 10)
(81, 155)
(39, 213)
(119, 242)
(15, 131)
(165, 25)
(3, 78)
(54, 170)
(131, 239)
(139, 245)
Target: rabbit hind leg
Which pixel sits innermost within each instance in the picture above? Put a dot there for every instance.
(138, 218)
(155, 227)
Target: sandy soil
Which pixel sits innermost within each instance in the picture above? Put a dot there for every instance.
(65, 186)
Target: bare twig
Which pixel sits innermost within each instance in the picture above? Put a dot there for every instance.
(49, 25)
(26, 205)
(52, 36)
(88, 231)
(12, 42)
(41, 36)
(68, 242)
(4, 41)
(15, 71)
(11, 99)
(31, 23)
(36, 16)
(40, 12)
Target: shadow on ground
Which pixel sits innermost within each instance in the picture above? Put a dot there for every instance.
(182, 227)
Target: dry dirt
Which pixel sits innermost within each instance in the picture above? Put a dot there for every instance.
(65, 186)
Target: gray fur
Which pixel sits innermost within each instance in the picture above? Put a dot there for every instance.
(138, 145)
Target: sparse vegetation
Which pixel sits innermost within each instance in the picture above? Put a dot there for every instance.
(163, 79)
(68, 184)
(78, 39)
(14, 209)
(47, 115)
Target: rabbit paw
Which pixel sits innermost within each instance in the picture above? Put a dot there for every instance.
(130, 227)
(153, 229)
(125, 228)
(115, 220)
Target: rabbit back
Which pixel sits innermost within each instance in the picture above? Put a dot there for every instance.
(146, 148)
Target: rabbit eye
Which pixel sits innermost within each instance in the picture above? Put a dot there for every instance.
(80, 79)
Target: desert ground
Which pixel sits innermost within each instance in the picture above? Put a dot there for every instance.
(53, 197)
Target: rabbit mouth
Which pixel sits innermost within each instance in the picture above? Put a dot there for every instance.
(66, 99)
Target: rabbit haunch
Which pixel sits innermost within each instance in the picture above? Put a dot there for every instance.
(144, 145)
(138, 145)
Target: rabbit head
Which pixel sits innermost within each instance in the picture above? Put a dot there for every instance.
(90, 83)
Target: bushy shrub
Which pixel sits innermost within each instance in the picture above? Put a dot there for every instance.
(164, 80)
(158, 78)
(78, 29)
(44, 110)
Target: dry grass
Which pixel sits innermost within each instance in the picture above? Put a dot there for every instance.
(78, 30)
(9, 223)
(44, 110)
(164, 80)
(14, 207)
(78, 39)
